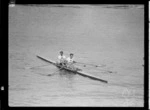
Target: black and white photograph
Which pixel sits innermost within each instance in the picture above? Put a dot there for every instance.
(76, 55)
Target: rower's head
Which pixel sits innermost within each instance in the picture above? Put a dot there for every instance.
(61, 53)
(71, 55)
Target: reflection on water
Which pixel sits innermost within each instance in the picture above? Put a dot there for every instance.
(66, 79)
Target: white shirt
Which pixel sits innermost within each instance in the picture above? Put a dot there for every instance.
(70, 60)
(61, 58)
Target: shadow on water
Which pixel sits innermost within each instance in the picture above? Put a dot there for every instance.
(67, 74)
(66, 80)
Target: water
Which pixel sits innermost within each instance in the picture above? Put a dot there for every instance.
(96, 35)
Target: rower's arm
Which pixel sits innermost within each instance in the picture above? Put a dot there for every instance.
(59, 58)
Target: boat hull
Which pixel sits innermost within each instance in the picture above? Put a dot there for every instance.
(77, 72)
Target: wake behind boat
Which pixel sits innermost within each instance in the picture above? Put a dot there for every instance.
(74, 71)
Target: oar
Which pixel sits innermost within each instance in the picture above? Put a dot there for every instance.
(37, 66)
(90, 64)
(55, 71)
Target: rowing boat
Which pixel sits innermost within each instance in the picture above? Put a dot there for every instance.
(78, 72)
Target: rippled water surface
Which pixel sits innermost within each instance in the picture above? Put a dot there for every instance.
(101, 35)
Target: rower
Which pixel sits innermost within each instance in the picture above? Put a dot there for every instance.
(62, 59)
(70, 59)
(70, 62)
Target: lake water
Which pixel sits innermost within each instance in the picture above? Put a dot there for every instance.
(100, 35)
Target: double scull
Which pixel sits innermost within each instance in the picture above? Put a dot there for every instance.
(78, 72)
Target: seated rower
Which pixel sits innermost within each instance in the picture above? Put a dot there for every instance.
(62, 59)
(70, 62)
